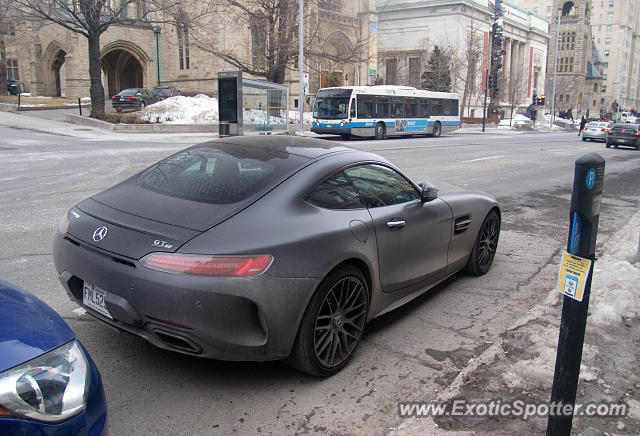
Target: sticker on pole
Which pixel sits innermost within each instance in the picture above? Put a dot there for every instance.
(572, 276)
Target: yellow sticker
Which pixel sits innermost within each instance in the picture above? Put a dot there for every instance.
(572, 276)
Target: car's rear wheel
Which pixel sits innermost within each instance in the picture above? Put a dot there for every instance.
(484, 249)
(332, 324)
(607, 145)
(381, 131)
(584, 139)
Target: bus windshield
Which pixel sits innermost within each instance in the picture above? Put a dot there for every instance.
(332, 104)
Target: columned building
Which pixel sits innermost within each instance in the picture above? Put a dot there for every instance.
(409, 30)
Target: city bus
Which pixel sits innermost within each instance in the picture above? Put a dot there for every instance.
(384, 110)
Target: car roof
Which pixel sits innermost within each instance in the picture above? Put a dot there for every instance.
(306, 147)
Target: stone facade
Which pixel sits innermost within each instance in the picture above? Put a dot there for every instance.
(50, 60)
(410, 29)
(572, 58)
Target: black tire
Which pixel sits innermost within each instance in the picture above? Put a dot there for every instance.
(437, 129)
(327, 337)
(484, 249)
(584, 139)
(607, 145)
(345, 136)
(381, 131)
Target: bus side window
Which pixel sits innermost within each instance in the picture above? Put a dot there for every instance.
(396, 107)
(410, 107)
(436, 107)
(454, 108)
(382, 106)
(365, 106)
(352, 108)
(425, 108)
(446, 107)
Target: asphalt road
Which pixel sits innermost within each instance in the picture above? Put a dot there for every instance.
(409, 354)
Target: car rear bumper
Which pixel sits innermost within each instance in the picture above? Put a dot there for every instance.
(623, 140)
(249, 318)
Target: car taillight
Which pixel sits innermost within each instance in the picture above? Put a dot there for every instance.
(585, 128)
(637, 133)
(169, 95)
(115, 97)
(605, 130)
(131, 97)
(221, 266)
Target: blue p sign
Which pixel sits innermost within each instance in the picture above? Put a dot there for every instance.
(591, 178)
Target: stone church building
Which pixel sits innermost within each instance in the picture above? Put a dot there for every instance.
(50, 60)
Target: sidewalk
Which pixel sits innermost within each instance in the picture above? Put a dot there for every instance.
(520, 365)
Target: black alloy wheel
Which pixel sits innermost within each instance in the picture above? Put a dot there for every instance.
(486, 245)
(332, 324)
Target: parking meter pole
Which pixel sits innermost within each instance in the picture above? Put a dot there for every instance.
(583, 230)
(80, 106)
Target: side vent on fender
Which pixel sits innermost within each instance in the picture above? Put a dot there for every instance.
(461, 224)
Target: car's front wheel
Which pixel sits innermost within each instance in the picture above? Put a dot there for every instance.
(484, 249)
(332, 324)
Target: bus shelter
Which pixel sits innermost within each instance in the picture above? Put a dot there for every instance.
(265, 106)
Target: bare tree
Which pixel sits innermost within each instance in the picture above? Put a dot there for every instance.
(89, 18)
(514, 91)
(272, 43)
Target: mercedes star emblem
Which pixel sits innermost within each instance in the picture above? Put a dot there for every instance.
(99, 234)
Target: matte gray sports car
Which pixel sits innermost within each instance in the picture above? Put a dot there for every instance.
(267, 248)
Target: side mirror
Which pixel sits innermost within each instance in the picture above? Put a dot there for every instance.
(429, 192)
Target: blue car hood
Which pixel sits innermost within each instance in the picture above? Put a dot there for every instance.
(28, 327)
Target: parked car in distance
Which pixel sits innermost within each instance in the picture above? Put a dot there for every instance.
(49, 385)
(596, 130)
(162, 92)
(349, 237)
(132, 99)
(624, 134)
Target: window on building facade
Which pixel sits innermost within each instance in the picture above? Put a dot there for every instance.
(606, 52)
(610, 16)
(332, 5)
(258, 45)
(12, 69)
(607, 41)
(391, 71)
(609, 28)
(414, 72)
(8, 29)
(602, 100)
(595, 89)
(560, 98)
(548, 9)
(182, 32)
(604, 77)
(141, 8)
(611, 3)
(604, 88)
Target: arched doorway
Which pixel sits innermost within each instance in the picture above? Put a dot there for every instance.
(54, 71)
(58, 71)
(333, 68)
(123, 65)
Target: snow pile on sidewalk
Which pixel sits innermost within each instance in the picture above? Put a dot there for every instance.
(615, 291)
(518, 121)
(294, 117)
(200, 109)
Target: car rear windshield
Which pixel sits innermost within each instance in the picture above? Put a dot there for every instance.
(130, 91)
(222, 175)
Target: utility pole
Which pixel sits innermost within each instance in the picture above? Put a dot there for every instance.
(555, 73)
(301, 66)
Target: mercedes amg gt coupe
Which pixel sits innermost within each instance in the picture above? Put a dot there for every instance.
(254, 248)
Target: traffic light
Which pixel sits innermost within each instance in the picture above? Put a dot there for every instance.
(542, 99)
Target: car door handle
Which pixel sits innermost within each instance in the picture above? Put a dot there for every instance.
(395, 223)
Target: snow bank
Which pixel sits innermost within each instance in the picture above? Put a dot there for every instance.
(615, 291)
(200, 109)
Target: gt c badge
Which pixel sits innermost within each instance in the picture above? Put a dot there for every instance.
(162, 244)
(99, 234)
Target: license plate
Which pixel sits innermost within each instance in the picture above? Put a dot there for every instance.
(93, 297)
(121, 98)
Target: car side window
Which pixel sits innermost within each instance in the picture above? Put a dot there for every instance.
(381, 186)
(335, 192)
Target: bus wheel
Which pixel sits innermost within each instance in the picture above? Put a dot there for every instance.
(381, 131)
(437, 129)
